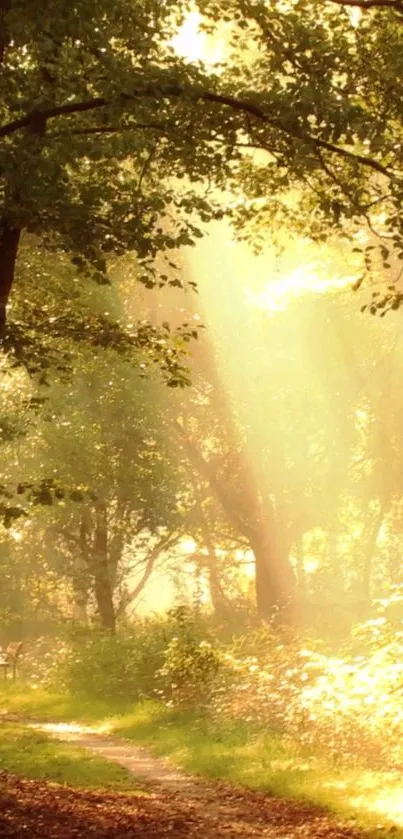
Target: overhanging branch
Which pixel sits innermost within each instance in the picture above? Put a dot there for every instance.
(162, 546)
(177, 91)
(309, 139)
(395, 5)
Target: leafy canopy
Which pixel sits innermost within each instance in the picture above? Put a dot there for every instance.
(109, 140)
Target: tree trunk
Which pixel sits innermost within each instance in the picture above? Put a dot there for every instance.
(81, 585)
(9, 242)
(274, 582)
(218, 600)
(217, 596)
(370, 550)
(102, 583)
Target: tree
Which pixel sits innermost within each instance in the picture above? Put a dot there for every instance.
(105, 438)
(96, 109)
(83, 156)
(110, 143)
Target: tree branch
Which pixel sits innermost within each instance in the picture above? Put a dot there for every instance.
(50, 113)
(396, 5)
(153, 555)
(205, 470)
(146, 165)
(176, 91)
(108, 129)
(309, 139)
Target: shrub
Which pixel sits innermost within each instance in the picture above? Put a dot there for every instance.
(191, 662)
(41, 658)
(166, 657)
(98, 667)
(121, 667)
(347, 705)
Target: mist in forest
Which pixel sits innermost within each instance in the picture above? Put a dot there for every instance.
(290, 431)
(270, 484)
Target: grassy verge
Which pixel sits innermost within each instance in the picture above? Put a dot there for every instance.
(248, 756)
(234, 751)
(32, 754)
(27, 701)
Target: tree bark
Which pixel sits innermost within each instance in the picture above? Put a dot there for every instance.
(274, 581)
(80, 585)
(102, 582)
(218, 600)
(96, 557)
(9, 242)
(79, 610)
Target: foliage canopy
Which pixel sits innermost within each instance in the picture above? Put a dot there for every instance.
(110, 142)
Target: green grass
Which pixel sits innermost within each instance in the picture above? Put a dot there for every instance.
(28, 701)
(32, 754)
(234, 751)
(244, 755)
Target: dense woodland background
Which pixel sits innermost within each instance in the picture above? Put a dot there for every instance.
(201, 244)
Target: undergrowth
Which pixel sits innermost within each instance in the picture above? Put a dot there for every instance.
(265, 709)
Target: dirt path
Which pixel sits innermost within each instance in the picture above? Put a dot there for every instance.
(155, 772)
(179, 806)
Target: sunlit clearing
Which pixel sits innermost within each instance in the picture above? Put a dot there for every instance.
(388, 803)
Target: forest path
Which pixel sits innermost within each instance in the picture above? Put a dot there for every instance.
(180, 805)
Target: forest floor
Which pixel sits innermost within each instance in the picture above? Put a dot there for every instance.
(173, 804)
